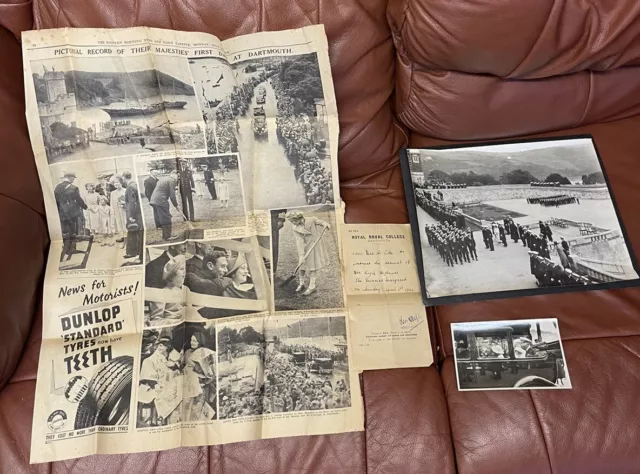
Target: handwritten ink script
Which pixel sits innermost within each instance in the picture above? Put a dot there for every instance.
(380, 259)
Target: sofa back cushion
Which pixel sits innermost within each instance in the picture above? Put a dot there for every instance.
(489, 69)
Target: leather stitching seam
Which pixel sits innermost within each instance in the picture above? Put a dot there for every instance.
(588, 101)
(10, 198)
(544, 436)
(544, 27)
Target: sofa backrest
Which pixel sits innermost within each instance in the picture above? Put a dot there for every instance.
(489, 69)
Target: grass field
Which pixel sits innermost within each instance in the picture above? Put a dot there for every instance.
(520, 191)
(487, 212)
(208, 213)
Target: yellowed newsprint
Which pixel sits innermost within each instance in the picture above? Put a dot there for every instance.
(195, 286)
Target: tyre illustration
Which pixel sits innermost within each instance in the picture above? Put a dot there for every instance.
(109, 396)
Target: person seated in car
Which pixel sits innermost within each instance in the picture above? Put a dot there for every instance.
(462, 351)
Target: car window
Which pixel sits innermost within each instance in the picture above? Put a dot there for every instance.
(523, 348)
(492, 347)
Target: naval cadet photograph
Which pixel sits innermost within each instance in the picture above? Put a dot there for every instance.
(278, 123)
(529, 217)
(91, 108)
(509, 355)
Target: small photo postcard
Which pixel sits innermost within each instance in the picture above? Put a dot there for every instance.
(508, 355)
(514, 219)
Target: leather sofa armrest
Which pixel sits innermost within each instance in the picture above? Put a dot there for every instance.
(23, 231)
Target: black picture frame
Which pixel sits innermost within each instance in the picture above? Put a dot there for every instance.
(483, 296)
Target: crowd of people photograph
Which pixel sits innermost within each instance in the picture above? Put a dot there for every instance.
(549, 273)
(258, 109)
(306, 364)
(303, 148)
(555, 201)
(440, 211)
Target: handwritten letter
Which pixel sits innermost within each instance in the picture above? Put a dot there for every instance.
(379, 259)
(387, 317)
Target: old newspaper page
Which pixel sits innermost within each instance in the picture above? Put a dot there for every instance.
(388, 322)
(194, 291)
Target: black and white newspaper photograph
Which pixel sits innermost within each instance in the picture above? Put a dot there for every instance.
(226, 277)
(182, 195)
(306, 364)
(535, 216)
(272, 111)
(212, 192)
(164, 274)
(161, 201)
(306, 263)
(160, 382)
(241, 347)
(509, 355)
(91, 108)
(99, 212)
(200, 393)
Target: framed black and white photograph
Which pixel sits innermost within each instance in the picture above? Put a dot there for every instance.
(306, 364)
(514, 219)
(90, 108)
(226, 278)
(509, 355)
(98, 210)
(160, 382)
(164, 275)
(241, 348)
(278, 123)
(306, 262)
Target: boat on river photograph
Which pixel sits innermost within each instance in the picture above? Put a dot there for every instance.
(91, 108)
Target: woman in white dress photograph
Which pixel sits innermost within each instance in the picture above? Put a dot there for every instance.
(91, 218)
(198, 178)
(104, 232)
(311, 249)
(222, 183)
(118, 215)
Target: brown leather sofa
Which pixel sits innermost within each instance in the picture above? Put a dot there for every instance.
(419, 72)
